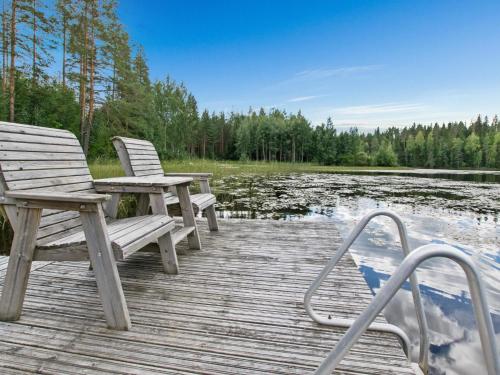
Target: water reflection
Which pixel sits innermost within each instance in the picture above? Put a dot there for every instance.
(436, 210)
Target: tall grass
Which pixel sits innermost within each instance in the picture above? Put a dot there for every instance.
(112, 168)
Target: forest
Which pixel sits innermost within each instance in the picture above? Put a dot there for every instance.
(70, 64)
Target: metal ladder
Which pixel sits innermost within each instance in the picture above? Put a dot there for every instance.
(406, 270)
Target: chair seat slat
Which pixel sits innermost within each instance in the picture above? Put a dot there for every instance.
(121, 232)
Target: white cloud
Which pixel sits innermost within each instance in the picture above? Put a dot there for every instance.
(379, 108)
(303, 98)
(344, 71)
(312, 75)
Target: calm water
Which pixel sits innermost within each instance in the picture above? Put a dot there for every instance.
(460, 210)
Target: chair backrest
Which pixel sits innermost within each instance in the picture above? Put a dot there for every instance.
(138, 157)
(37, 158)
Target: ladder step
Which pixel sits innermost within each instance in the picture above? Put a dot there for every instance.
(180, 232)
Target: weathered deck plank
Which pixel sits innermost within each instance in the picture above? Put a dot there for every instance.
(235, 308)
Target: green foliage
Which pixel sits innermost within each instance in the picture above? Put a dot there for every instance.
(386, 156)
(472, 149)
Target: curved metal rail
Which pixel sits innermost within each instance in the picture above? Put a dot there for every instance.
(423, 361)
(407, 267)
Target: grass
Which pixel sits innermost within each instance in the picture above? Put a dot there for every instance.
(112, 168)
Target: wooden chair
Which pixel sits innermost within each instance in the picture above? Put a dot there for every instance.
(139, 158)
(49, 198)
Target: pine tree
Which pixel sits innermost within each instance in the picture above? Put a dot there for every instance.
(13, 54)
(5, 51)
(40, 28)
(64, 12)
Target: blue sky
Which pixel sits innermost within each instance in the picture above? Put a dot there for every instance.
(364, 63)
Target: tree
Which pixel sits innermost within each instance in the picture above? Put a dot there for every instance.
(13, 54)
(472, 150)
(203, 133)
(64, 17)
(429, 147)
(89, 39)
(420, 148)
(4, 50)
(40, 27)
(325, 143)
(385, 155)
(457, 157)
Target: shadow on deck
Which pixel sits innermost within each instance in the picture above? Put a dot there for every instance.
(236, 308)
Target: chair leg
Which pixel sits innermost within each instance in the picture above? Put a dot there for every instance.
(188, 216)
(18, 270)
(165, 242)
(212, 218)
(106, 272)
(168, 254)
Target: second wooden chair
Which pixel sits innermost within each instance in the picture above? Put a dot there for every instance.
(139, 158)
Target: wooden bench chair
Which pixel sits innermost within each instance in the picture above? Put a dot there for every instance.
(139, 158)
(49, 198)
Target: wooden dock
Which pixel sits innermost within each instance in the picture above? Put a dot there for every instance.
(235, 308)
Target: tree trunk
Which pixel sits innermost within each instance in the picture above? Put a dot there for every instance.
(34, 74)
(92, 60)
(222, 143)
(113, 82)
(5, 49)
(12, 84)
(64, 31)
(83, 79)
(204, 146)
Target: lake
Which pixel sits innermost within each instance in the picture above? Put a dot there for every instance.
(460, 209)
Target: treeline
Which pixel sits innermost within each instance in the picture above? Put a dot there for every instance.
(278, 136)
(70, 64)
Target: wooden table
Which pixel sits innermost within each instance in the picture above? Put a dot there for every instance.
(155, 188)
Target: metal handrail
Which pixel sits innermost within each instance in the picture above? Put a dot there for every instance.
(382, 327)
(407, 268)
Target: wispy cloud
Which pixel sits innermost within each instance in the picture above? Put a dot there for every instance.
(369, 115)
(311, 76)
(335, 72)
(303, 98)
(379, 109)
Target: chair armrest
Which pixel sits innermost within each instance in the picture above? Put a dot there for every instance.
(57, 200)
(195, 176)
(155, 184)
(57, 196)
(202, 178)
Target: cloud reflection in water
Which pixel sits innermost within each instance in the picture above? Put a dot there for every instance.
(463, 214)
